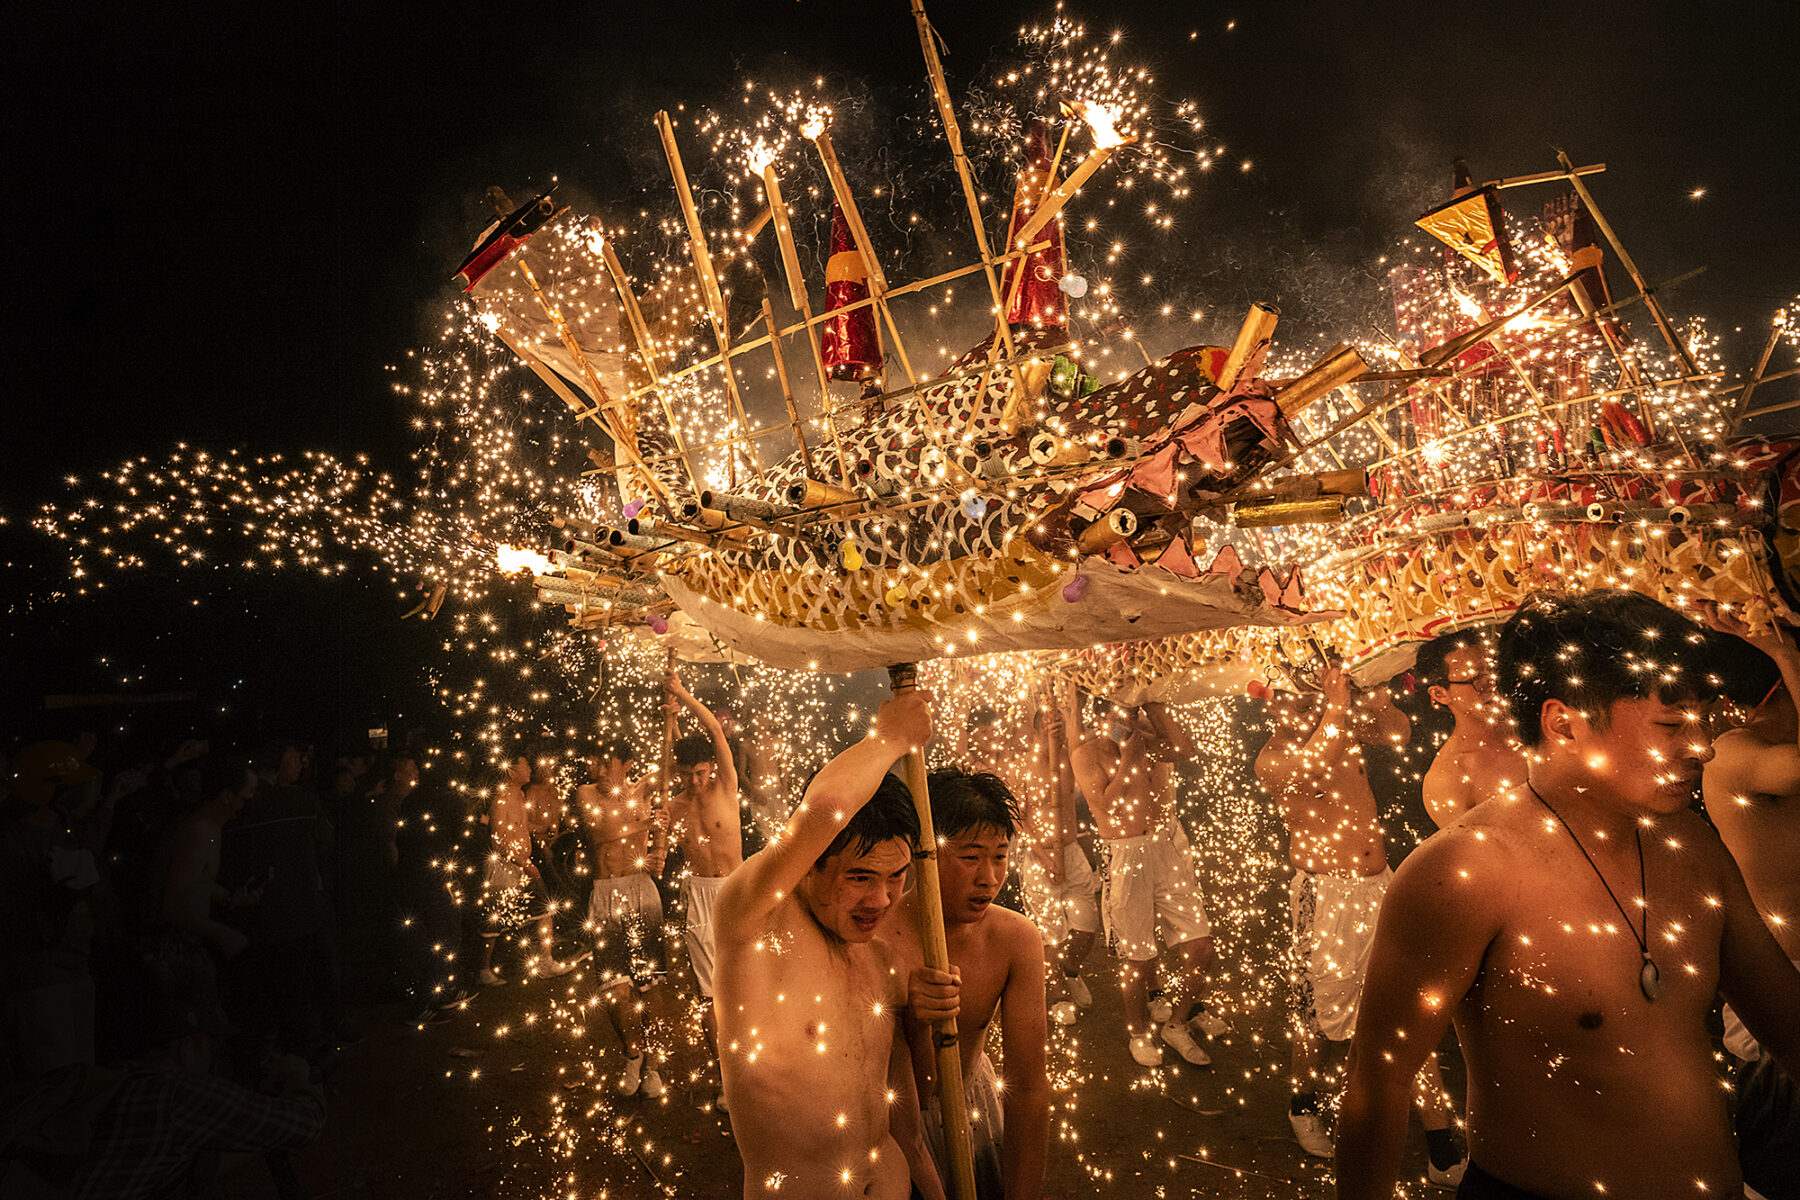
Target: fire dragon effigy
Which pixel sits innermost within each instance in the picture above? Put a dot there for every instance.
(1165, 531)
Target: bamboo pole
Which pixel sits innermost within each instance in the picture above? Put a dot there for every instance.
(605, 405)
(1762, 363)
(1650, 301)
(646, 347)
(875, 276)
(796, 281)
(709, 281)
(940, 90)
(903, 289)
(666, 764)
(904, 678)
(787, 389)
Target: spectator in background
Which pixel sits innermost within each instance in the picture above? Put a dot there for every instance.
(185, 941)
(53, 824)
(1481, 756)
(273, 846)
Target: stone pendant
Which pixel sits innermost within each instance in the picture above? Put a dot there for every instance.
(1650, 980)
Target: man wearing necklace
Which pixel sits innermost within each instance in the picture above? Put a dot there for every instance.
(1576, 932)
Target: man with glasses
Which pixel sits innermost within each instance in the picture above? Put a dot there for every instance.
(1481, 757)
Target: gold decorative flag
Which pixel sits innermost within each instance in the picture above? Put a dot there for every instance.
(1472, 226)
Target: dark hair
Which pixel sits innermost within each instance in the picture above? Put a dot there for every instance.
(694, 749)
(220, 773)
(619, 748)
(1593, 650)
(889, 814)
(1429, 669)
(962, 801)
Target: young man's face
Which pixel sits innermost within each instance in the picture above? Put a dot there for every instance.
(849, 894)
(1649, 754)
(1468, 687)
(520, 772)
(293, 761)
(971, 868)
(697, 778)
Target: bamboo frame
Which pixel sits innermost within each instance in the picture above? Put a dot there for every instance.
(787, 390)
(796, 281)
(709, 280)
(1762, 362)
(646, 347)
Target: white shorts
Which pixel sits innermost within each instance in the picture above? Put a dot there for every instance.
(698, 894)
(510, 897)
(981, 1091)
(1152, 887)
(1070, 904)
(625, 916)
(1333, 919)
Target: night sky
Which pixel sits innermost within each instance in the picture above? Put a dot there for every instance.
(229, 220)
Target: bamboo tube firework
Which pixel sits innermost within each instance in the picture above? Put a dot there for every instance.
(1253, 338)
(904, 677)
(1342, 366)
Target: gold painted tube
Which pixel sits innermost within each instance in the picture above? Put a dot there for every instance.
(1343, 365)
(1107, 532)
(1321, 511)
(1253, 336)
(810, 493)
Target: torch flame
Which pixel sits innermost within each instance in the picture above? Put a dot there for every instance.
(1101, 118)
(760, 155)
(514, 559)
(815, 124)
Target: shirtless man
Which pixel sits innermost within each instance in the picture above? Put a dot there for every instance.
(704, 817)
(811, 993)
(1313, 768)
(1061, 893)
(1152, 885)
(512, 890)
(1481, 756)
(1576, 934)
(997, 966)
(625, 909)
(191, 940)
(1751, 790)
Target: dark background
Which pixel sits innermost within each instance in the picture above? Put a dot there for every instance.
(228, 222)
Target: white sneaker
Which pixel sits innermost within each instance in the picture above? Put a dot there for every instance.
(1063, 1012)
(549, 968)
(1079, 991)
(1209, 1023)
(653, 1085)
(491, 978)
(632, 1078)
(1184, 1043)
(1448, 1178)
(1309, 1131)
(1146, 1052)
(1161, 1011)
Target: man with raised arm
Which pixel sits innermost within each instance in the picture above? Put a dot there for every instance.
(1151, 886)
(811, 991)
(705, 820)
(1313, 768)
(1752, 795)
(1577, 933)
(997, 968)
(1481, 755)
(624, 911)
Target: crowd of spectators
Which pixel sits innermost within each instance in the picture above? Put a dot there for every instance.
(188, 933)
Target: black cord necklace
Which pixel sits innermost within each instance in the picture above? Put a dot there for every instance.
(1649, 978)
